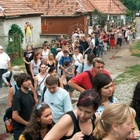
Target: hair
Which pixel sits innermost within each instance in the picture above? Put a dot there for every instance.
(77, 48)
(97, 60)
(51, 69)
(89, 98)
(35, 56)
(51, 80)
(66, 63)
(28, 46)
(33, 128)
(22, 78)
(65, 51)
(90, 57)
(113, 113)
(50, 54)
(101, 80)
(135, 103)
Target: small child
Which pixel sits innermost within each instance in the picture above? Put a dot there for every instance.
(68, 73)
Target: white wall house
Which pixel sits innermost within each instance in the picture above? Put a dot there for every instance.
(5, 26)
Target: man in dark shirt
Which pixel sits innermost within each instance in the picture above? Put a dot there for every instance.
(23, 103)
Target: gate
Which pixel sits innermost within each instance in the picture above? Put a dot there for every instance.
(14, 48)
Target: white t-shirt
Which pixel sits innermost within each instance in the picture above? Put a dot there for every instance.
(4, 59)
(77, 59)
(35, 66)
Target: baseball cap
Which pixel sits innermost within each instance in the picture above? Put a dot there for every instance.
(1, 48)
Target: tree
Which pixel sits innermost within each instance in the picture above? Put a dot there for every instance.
(132, 5)
(100, 18)
(15, 36)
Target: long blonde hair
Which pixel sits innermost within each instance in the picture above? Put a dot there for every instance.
(113, 113)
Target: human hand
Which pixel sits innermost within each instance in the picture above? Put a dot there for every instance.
(78, 136)
(7, 84)
(135, 134)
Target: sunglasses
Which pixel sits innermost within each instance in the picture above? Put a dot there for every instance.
(39, 106)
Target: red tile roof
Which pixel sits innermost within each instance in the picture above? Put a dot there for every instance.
(109, 6)
(15, 8)
(60, 7)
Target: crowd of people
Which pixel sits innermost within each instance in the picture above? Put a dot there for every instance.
(41, 97)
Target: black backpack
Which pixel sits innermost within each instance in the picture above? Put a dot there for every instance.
(8, 114)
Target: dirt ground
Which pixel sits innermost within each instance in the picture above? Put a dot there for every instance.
(115, 62)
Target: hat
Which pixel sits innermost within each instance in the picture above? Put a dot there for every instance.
(1, 48)
(16, 70)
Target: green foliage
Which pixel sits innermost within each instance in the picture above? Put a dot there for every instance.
(100, 18)
(135, 49)
(15, 29)
(131, 74)
(132, 5)
(17, 61)
(15, 36)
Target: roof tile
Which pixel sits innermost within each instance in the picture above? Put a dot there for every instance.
(60, 7)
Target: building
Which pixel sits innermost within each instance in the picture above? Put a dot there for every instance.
(59, 17)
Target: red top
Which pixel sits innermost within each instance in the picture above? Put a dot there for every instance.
(83, 79)
(105, 38)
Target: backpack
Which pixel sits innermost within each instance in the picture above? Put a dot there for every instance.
(8, 114)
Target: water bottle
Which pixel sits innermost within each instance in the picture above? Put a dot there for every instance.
(8, 124)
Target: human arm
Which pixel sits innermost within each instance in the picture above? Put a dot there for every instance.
(61, 83)
(54, 63)
(25, 60)
(75, 85)
(4, 76)
(17, 118)
(9, 64)
(60, 62)
(31, 69)
(35, 82)
(34, 93)
(64, 127)
(10, 96)
(81, 59)
(134, 135)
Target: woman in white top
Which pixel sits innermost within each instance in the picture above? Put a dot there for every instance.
(77, 58)
(34, 65)
(44, 54)
(39, 80)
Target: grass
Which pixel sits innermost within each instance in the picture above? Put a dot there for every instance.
(135, 49)
(131, 74)
(17, 61)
